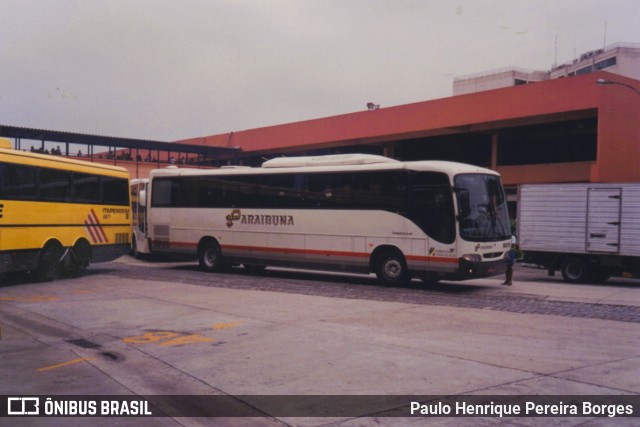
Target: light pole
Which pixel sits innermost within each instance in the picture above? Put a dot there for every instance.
(603, 82)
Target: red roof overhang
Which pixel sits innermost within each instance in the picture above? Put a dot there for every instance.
(552, 100)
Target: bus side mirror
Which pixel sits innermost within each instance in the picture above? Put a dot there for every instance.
(142, 198)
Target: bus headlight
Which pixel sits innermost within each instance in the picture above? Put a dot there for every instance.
(472, 257)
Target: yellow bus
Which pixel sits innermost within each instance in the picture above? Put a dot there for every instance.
(58, 215)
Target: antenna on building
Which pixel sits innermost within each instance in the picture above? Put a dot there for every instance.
(555, 58)
(604, 43)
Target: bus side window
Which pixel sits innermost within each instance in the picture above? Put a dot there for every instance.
(161, 196)
(279, 191)
(115, 191)
(317, 191)
(382, 190)
(209, 194)
(186, 193)
(84, 188)
(18, 182)
(55, 185)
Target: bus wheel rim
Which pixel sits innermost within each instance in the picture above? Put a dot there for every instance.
(393, 269)
(210, 257)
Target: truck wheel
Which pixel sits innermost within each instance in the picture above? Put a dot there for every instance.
(576, 270)
(210, 256)
(391, 268)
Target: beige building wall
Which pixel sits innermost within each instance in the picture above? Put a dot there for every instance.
(618, 58)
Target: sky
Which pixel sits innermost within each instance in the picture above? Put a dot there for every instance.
(176, 69)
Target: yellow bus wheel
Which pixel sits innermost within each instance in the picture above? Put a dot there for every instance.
(49, 262)
(80, 258)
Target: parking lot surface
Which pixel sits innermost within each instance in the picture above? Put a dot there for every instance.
(148, 328)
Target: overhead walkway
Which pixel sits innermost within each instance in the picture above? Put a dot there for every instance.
(137, 155)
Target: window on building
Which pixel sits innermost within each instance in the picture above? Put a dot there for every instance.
(570, 141)
(585, 70)
(609, 62)
(471, 148)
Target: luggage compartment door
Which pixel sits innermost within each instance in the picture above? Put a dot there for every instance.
(603, 220)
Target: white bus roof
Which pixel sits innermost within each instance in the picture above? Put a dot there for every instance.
(331, 160)
(333, 163)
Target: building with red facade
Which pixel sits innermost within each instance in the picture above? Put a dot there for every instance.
(562, 130)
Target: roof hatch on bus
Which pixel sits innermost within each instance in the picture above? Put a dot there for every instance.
(331, 160)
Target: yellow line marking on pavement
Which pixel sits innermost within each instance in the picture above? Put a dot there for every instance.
(40, 298)
(186, 339)
(167, 339)
(84, 291)
(62, 365)
(227, 325)
(31, 298)
(148, 337)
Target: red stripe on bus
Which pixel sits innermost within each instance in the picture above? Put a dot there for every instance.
(297, 251)
(93, 228)
(246, 248)
(179, 244)
(103, 235)
(88, 226)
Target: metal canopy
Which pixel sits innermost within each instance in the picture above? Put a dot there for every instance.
(111, 141)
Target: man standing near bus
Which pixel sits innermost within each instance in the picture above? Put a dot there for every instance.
(511, 256)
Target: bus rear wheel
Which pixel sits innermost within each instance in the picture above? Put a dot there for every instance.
(80, 258)
(210, 256)
(391, 268)
(49, 264)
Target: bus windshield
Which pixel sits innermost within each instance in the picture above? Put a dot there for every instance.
(483, 213)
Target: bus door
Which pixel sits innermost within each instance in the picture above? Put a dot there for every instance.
(431, 208)
(139, 212)
(142, 209)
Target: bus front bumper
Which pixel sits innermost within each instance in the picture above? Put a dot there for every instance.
(475, 270)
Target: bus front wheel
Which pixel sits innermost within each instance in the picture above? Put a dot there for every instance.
(391, 268)
(210, 256)
(80, 259)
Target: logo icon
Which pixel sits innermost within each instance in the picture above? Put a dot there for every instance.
(235, 215)
(23, 406)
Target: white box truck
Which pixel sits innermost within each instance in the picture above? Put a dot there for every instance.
(588, 231)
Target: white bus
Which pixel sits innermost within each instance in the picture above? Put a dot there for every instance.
(359, 213)
(139, 242)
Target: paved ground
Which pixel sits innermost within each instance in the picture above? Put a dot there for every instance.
(151, 328)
